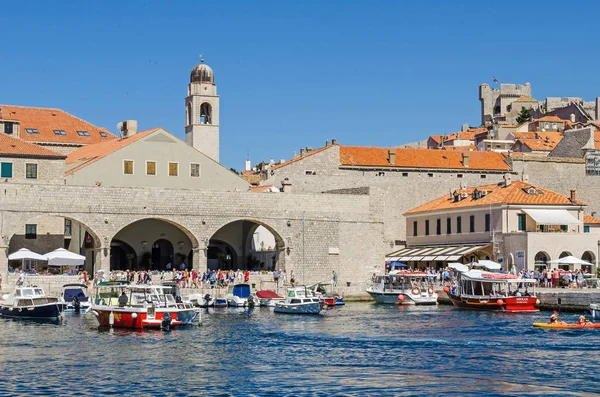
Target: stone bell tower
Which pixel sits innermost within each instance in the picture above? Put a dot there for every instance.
(202, 111)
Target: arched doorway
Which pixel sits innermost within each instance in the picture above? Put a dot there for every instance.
(246, 245)
(588, 256)
(155, 243)
(564, 254)
(541, 260)
(122, 256)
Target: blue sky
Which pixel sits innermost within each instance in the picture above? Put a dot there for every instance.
(294, 73)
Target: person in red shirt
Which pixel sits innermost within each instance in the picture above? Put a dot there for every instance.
(247, 276)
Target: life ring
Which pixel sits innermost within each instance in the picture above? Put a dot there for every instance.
(430, 290)
(416, 291)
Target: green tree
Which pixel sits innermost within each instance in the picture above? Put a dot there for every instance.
(524, 116)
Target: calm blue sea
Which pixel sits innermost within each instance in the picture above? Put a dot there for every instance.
(361, 349)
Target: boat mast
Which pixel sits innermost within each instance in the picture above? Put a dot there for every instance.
(303, 252)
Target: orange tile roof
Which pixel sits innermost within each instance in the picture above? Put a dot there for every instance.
(597, 140)
(253, 179)
(47, 120)
(87, 155)
(538, 144)
(524, 135)
(469, 148)
(552, 136)
(515, 194)
(421, 158)
(263, 189)
(525, 98)
(468, 135)
(591, 219)
(305, 155)
(549, 118)
(436, 138)
(12, 147)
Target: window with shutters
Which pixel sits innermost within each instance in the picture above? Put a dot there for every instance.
(150, 167)
(6, 170)
(195, 170)
(128, 167)
(31, 171)
(173, 169)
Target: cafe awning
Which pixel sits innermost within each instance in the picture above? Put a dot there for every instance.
(553, 217)
(433, 253)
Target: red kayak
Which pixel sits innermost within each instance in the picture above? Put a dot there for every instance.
(566, 326)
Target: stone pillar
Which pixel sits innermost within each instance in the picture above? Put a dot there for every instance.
(3, 266)
(199, 260)
(102, 260)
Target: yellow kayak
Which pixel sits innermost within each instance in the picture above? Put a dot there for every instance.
(566, 326)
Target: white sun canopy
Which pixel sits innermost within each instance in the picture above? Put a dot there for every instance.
(24, 253)
(490, 265)
(553, 217)
(62, 257)
(570, 260)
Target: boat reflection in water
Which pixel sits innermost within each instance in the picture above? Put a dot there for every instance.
(485, 290)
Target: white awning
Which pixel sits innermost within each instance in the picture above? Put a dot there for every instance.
(553, 217)
(433, 253)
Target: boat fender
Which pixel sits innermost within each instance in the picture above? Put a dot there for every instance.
(416, 291)
(430, 290)
(134, 315)
(111, 318)
(500, 302)
(446, 289)
(537, 302)
(401, 297)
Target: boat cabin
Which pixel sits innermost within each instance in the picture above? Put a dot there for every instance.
(300, 295)
(29, 296)
(403, 280)
(481, 283)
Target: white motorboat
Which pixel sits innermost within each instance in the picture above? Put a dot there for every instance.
(238, 295)
(404, 288)
(268, 298)
(30, 302)
(299, 301)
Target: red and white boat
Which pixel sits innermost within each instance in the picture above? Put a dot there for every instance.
(484, 290)
(142, 308)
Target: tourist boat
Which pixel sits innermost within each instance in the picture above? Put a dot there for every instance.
(404, 288)
(325, 292)
(566, 326)
(146, 306)
(238, 295)
(595, 308)
(268, 298)
(30, 302)
(483, 290)
(299, 301)
(169, 297)
(74, 298)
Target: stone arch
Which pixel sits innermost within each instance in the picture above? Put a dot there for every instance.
(205, 113)
(238, 233)
(589, 256)
(541, 259)
(143, 233)
(189, 114)
(122, 255)
(564, 254)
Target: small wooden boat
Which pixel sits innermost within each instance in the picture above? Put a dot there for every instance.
(566, 326)
(30, 302)
(299, 301)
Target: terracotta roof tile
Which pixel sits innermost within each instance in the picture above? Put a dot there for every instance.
(421, 158)
(525, 98)
(12, 147)
(87, 155)
(253, 179)
(549, 118)
(305, 155)
(538, 144)
(264, 189)
(47, 120)
(515, 193)
(524, 135)
(591, 220)
(469, 148)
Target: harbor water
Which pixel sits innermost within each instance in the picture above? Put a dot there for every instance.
(357, 350)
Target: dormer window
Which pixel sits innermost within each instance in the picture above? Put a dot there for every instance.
(8, 128)
(531, 190)
(32, 130)
(60, 132)
(83, 133)
(103, 134)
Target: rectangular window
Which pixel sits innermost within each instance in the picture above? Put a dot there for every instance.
(128, 167)
(67, 227)
(438, 227)
(483, 176)
(586, 229)
(32, 130)
(8, 128)
(448, 225)
(487, 223)
(430, 175)
(472, 224)
(564, 228)
(173, 169)
(427, 227)
(150, 167)
(405, 174)
(308, 172)
(521, 221)
(195, 170)
(31, 171)
(459, 175)
(414, 228)
(103, 134)
(458, 224)
(83, 133)
(60, 132)
(6, 170)
(30, 232)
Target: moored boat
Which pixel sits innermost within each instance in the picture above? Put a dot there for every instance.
(482, 290)
(299, 301)
(595, 308)
(268, 298)
(325, 292)
(30, 302)
(403, 287)
(74, 298)
(238, 295)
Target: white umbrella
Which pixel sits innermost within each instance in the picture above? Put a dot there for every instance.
(62, 257)
(24, 253)
(570, 260)
(490, 265)
(459, 266)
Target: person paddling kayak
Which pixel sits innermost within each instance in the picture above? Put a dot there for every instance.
(554, 318)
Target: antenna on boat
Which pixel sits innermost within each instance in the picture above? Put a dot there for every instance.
(303, 252)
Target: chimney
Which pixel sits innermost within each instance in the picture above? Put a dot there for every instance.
(507, 179)
(327, 144)
(334, 141)
(129, 128)
(547, 139)
(465, 160)
(525, 178)
(308, 149)
(301, 152)
(286, 185)
(464, 127)
(573, 194)
(572, 118)
(392, 156)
